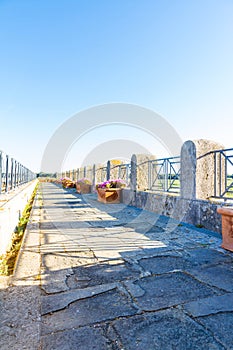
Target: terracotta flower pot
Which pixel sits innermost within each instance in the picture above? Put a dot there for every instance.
(227, 227)
(83, 188)
(109, 195)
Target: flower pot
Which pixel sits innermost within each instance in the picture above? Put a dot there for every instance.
(227, 227)
(83, 188)
(67, 183)
(109, 195)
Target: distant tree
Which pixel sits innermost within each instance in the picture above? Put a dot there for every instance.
(42, 174)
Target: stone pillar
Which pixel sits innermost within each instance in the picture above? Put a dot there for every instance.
(89, 173)
(94, 177)
(75, 175)
(205, 173)
(198, 169)
(98, 171)
(108, 170)
(114, 168)
(133, 173)
(140, 165)
(81, 173)
(188, 166)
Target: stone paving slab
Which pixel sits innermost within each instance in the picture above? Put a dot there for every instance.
(220, 276)
(159, 292)
(96, 276)
(55, 302)
(210, 306)
(102, 273)
(78, 339)
(168, 329)
(88, 311)
(163, 264)
(20, 318)
(220, 325)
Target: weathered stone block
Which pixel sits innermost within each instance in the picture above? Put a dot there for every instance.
(200, 168)
(139, 171)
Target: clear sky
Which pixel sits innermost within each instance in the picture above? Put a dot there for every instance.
(59, 57)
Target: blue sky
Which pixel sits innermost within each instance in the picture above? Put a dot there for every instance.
(60, 57)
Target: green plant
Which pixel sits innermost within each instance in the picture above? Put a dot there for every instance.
(84, 181)
(199, 226)
(118, 183)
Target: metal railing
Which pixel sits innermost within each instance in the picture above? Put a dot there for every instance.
(13, 173)
(222, 162)
(101, 174)
(123, 172)
(164, 175)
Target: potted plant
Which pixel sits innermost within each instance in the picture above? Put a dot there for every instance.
(67, 182)
(83, 186)
(227, 227)
(110, 191)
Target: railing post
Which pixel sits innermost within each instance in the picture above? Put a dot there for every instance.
(108, 170)
(22, 174)
(19, 174)
(94, 176)
(7, 172)
(15, 173)
(225, 171)
(166, 175)
(12, 172)
(149, 174)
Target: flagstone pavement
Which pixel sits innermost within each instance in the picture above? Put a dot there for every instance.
(115, 277)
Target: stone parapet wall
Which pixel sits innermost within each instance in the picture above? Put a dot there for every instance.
(196, 212)
(202, 171)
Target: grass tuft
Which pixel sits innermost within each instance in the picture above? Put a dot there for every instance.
(7, 261)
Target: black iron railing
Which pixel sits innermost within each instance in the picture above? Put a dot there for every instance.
(13, 173)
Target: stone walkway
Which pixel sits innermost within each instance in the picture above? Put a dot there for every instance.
(96, 276)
